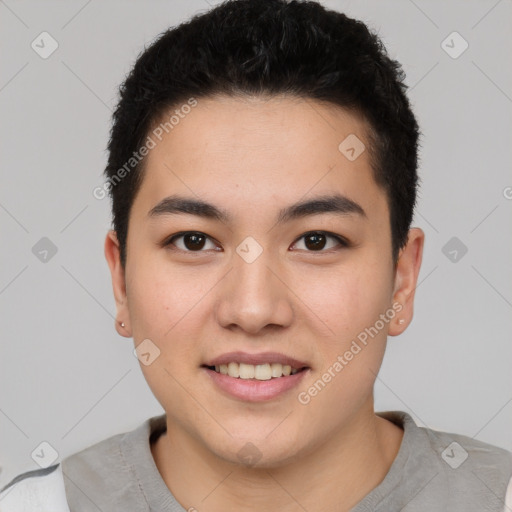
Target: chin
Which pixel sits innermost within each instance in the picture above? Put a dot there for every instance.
(258, 452)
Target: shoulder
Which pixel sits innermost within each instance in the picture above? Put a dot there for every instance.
(87, 469)
(89, 472)
(111, 470)
(39, 490)
(462, 473)
(462, 452)
(480, 471)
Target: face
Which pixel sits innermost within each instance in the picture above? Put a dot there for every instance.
(256, 244)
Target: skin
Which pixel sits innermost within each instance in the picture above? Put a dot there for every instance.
(251, 157)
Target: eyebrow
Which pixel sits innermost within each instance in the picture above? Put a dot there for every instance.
(335, 203)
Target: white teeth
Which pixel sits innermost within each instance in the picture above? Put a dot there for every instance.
(277, 369)
(263, 372)
(234, 370)
(259, 372)
(246, 371)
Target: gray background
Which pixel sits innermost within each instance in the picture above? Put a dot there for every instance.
(67, 378)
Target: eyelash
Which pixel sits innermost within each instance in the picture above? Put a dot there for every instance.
(341, 241)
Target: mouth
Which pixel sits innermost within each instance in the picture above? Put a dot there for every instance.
(255, 377)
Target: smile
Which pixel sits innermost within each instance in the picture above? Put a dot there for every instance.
(255, 377)
(265, 371)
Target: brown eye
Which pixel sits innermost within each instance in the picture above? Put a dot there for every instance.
(317, 241)
(194, 241)
(191, 242)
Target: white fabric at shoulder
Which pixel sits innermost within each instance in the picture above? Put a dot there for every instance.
(36, 494)
(508, 498)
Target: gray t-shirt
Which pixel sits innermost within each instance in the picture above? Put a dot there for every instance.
(433, 471)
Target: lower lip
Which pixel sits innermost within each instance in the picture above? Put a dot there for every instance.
(252, 390)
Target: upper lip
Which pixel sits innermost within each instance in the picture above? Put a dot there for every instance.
(255, 359)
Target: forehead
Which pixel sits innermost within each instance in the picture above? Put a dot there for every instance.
(258, 150)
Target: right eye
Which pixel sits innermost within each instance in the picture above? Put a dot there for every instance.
(190, 241)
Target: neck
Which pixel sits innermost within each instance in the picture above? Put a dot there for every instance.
(336, 475)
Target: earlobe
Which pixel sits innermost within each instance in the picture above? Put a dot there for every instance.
(122, 329)
(117, 272)
(406, 279)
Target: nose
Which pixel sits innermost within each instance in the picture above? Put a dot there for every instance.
(254, 296)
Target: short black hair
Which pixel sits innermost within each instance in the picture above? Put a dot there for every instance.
(269, 47)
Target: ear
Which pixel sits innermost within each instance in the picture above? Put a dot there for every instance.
(406, 278)
(113, 257)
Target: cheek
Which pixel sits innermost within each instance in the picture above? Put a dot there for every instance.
(346, 300)
(163, 299)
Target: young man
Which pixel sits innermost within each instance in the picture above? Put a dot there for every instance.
(262, 169)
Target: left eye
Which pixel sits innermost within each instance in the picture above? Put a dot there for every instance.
(317, 241)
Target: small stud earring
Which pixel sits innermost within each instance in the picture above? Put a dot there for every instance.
(122, 324)
(401, 321)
